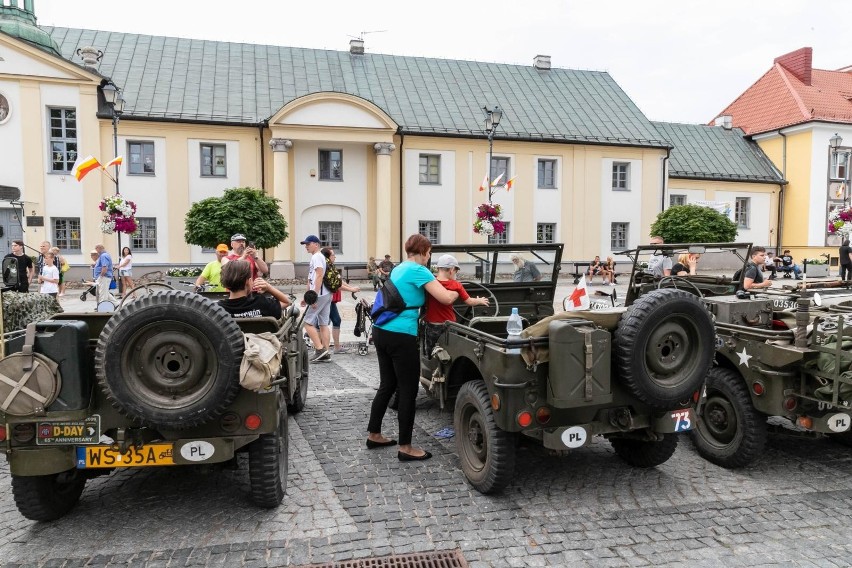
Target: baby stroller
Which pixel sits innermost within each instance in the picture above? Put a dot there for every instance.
(363, 325)
(93, 290)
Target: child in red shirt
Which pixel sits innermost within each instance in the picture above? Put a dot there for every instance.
(436, 312)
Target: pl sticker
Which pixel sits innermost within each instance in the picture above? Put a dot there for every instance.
(838, 422)
(197, 451)
(574, 437)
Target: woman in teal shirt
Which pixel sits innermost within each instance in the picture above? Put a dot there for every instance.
(396, 348)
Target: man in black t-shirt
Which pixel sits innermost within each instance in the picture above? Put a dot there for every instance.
(20, 273)
(242, 302)
(753, 276)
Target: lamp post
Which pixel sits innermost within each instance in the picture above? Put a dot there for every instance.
(492, 120)
(112, 97)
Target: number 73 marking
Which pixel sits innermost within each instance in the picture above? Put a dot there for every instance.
(682, 421)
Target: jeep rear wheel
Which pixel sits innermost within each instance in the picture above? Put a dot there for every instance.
(300, 394)
(641, 453)
(170, 360)
(48, 497)
(487, 453)
(664, 345)
(730, 432)
(268, 463)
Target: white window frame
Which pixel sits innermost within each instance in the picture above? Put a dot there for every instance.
(146, 149)
(621, 176)
(431, 230)
(326, 165)
(541, 233)
(331, 235)
(212, 167)
(677, 197)
(140, 241)
(742, 212)
(62, 144)
(63, 229)
(430, 169)
(503, 239)
(619, 238)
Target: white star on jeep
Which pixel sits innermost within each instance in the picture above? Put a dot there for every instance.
(744, 357)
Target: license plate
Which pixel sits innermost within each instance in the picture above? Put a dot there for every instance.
(682, 420)
(75, 432)
(107, 456)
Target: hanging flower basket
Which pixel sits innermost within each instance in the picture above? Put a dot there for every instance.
(119, 215)
(489, 220)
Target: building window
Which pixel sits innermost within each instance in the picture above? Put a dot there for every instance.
(66, 234)
(213, 160)
(677, 200)
(620, 176)
(145, 237)
(839, 163)
(502, 239)
(618, 236)
(331, 165)
(331, 235)
(430, 169)
(431, 230)
(547, 174)
(63, 139)
(141, 156)
(742, 212)
(545, 233)
(500, 166)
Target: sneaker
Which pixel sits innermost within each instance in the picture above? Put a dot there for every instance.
(341, 350)
(320, 355)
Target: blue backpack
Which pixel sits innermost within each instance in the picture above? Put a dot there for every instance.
(388, 304)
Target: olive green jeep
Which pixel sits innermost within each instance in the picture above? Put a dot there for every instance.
(155, 383)
(783, 355)
(630, 374)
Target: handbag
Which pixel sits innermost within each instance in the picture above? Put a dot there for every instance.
(261, 360)
(336, 296)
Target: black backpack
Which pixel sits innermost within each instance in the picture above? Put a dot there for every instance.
(331, 279)
(388, 304)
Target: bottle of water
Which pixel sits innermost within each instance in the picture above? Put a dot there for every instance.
(514, 327)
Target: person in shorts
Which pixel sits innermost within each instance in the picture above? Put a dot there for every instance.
(317, 317)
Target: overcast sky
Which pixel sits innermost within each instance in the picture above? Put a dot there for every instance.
(680, 61)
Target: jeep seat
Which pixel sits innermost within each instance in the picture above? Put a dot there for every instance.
(258, 325)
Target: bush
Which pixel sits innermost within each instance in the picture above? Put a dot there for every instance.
(184, 271)
(245, 210)
(694, 224)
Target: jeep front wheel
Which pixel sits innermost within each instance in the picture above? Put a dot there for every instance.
(300, 392)
(48, 497)
(664, 345)
(730, 432)
(641, 453)
(487, 453)
(268, 463)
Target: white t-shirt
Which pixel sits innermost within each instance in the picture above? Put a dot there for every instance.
(658, 263)
(50, 287)
(129, 266)
(317, 260)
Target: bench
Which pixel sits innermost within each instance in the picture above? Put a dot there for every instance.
(582, 267)
(353, 270)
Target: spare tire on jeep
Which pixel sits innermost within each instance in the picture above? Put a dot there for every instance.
(664, 346)
(170, 360)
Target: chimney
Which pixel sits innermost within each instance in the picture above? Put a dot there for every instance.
(90, 56)
(799, 63)
(726, 121)
(356, 46)
(542, 62)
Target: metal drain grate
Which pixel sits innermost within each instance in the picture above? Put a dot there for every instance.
(443, 559)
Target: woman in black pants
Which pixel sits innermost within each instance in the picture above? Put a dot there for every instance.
(396, 348)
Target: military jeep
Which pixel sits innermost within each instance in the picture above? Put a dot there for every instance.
(778, 357)
(155, 383)
(630, 374)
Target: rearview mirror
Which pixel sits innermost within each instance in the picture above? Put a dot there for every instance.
(697, 249)
(817, 299)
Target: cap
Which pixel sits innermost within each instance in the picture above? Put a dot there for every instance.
(448, 261)
(222, 248)
(310, 239)
(238, 237)
(94, 251)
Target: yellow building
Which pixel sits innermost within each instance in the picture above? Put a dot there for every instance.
(361, 149)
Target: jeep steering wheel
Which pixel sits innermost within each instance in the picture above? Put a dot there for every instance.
(675, 279)
(467, 313)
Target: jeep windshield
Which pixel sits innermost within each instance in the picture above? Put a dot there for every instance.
(712, 269)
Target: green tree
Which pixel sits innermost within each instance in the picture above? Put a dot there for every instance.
(694, 224)
(240, 210)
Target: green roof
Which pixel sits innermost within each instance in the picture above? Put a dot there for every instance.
(197, 80)
(21, 23)
(713, 152)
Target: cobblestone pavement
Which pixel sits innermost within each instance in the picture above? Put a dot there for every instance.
(585, 508)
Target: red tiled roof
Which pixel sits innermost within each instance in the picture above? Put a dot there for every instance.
(780, 99)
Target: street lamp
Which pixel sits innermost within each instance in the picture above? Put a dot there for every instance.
(492, 120)
(113, 98)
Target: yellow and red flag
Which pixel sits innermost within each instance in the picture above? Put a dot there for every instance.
(484, 183)
(114, 162)
(496, 182)
(84, 166)
(508, 185)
